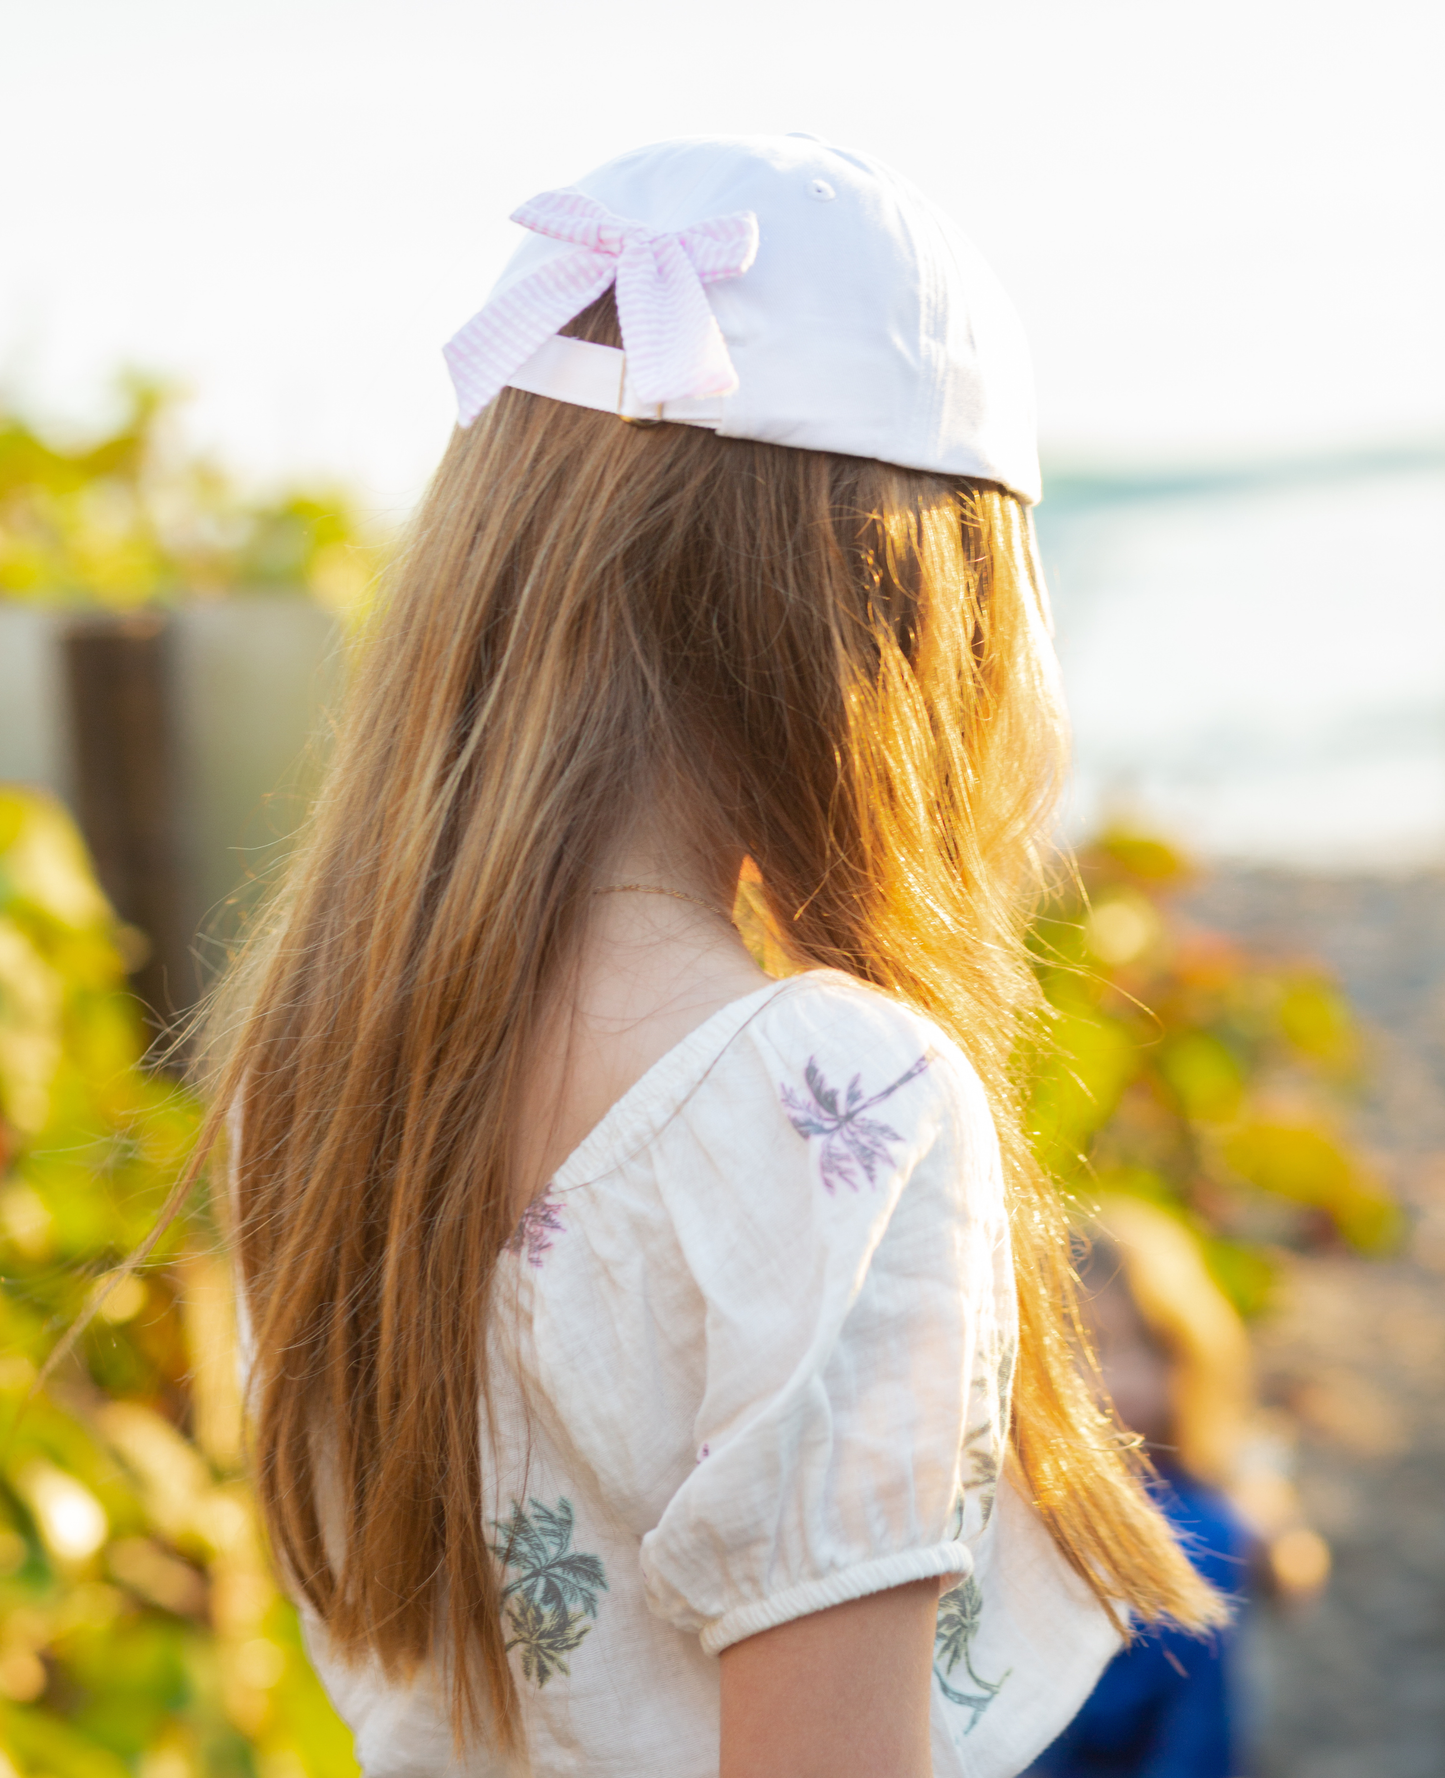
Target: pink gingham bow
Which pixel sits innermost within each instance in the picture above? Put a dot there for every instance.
(675, 348)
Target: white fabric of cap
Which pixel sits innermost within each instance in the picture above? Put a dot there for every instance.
(868, 323)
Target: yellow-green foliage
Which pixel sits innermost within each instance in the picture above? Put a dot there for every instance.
(134, 518)
(1189, 1072)
(140, 1631)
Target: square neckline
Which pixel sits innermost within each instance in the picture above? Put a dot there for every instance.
(638, 1114)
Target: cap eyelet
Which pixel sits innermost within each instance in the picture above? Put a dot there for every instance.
(821, 190)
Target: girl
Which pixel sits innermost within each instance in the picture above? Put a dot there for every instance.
(660, 1365)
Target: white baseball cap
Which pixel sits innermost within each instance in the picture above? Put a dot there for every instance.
(772, 288)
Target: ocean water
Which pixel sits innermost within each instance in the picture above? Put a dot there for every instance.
(1255, 664)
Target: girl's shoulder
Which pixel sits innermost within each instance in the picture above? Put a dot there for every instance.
(815, 1047)
(825, 1014)
(823, 1046)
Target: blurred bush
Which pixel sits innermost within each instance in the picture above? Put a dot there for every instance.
(136, 518)
(140, 1630)
(1188, 1072)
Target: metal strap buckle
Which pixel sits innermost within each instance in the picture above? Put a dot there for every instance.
(633, 419)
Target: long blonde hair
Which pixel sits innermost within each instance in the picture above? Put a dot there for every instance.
(843, 662)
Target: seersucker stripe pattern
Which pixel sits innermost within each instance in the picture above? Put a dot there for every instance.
(674, 346)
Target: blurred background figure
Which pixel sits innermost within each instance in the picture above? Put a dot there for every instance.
(1175, 1359)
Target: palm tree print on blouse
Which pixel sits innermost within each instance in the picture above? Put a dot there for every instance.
(535, 1229)
(854, 1146)
(983, 1447)
(555, 1589)
(959, 1612)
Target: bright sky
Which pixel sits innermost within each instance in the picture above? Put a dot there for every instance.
(1222, 224)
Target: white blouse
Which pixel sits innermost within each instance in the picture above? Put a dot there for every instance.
(764, 1322)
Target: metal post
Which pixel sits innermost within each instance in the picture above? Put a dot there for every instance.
(122, 724)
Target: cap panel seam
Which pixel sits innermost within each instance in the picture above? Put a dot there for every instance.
(934, 366)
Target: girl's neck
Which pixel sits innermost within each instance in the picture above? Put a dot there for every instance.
(650, 968)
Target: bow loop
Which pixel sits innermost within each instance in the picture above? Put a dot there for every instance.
(674, 346)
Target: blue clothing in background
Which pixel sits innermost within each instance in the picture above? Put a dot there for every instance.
(1164, 1708)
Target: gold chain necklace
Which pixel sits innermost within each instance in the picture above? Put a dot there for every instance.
(675, 894)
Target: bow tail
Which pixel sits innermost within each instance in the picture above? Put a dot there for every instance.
(490, 348)
(675, 347)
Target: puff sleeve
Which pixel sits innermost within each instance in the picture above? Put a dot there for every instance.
(847, 1237)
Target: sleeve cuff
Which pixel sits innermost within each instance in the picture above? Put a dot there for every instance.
(835, 1589)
